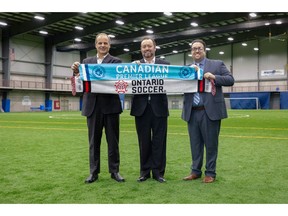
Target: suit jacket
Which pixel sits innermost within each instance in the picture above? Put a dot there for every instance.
(110, 103)
(214, 105)
(158, 102)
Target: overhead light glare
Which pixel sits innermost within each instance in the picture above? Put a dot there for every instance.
(194, 24)
(244, 44)
(79, 28)
(3, 24)
(230, 39)
(168, 13)
(39, 17)
(221, 53)
(126, 49)
(119, 22)
(43, 32)
(253, 15)
(149, 31)
(78, 39)
(111, 36)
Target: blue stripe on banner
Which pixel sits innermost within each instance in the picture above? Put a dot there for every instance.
(130, 71)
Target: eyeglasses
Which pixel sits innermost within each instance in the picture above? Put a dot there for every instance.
(194, 49)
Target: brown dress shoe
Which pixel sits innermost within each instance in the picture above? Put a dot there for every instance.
(193, 176)
(208, 179)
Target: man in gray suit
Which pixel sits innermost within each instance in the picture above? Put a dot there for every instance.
(204, 110)
(151, 114)
(102, 111)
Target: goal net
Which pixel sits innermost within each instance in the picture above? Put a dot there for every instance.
(242, 103)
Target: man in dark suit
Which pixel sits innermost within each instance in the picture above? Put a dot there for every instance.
(151, 114)
(204, 110)
(102, 111)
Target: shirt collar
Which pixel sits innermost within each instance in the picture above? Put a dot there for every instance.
(152, 62)
(99, 60)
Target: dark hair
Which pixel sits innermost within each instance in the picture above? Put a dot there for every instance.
(148, 38)
(199, 41)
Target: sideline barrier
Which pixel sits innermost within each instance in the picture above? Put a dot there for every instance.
(40, 108)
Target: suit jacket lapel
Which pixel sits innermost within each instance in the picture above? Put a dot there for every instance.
(106, 59)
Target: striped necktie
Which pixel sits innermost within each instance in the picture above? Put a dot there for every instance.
(196, 97)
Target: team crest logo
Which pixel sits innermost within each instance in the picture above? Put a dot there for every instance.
(121, 87)
(98, 71)
(187, 72)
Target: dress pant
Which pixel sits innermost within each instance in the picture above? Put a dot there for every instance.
(152, 132)
(203, 132)
(96, 122)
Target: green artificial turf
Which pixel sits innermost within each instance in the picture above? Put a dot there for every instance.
(44, 160)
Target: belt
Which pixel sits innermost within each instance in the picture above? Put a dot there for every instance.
(198, 108)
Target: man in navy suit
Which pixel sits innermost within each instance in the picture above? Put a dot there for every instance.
(204, 112)
(102, 111)
(151, 114)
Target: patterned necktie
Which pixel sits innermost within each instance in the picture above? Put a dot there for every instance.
(73, 85)
(213, 89)
(196, 98)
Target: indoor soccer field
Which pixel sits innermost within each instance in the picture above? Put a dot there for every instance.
(44, 159)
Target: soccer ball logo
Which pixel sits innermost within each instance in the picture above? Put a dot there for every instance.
(121, 87)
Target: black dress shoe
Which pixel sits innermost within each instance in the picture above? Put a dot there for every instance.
(143, 178)
(92, 178)
(117, 177)
(160, 179)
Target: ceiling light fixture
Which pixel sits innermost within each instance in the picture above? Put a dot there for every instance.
(194, 24)
(253, 15)
(168, 13)
(3, 24)
(119, 22)
(77, 39)
(149, 31)
(39, 17)
(79, 28)
(43, 32)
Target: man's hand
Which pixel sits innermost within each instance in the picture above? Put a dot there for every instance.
(209, 76)
(136, 62)
(75, 68)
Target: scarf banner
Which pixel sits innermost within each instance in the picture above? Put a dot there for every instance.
(94, 72)
(137, 79)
